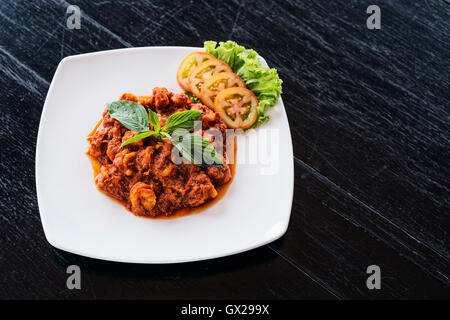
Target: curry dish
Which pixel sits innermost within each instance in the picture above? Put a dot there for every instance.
(142, 174)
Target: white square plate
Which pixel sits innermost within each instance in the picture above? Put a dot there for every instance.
(77, 218)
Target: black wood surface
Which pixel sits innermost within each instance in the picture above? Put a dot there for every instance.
(369, 117)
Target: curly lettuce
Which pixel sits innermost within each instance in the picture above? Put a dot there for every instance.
(263, 82)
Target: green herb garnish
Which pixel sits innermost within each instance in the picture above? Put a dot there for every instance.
(193, 147)
(192, 97)
(132, 115)
(182, 120)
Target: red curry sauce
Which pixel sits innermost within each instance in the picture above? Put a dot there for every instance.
(101, 157)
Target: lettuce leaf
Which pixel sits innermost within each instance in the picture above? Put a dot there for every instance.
(264, 82)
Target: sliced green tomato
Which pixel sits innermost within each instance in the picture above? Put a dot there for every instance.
(188, 64)
(205, 71)
(217, 83)
(237, 106)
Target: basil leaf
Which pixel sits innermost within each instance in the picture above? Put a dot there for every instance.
(154, 120)
(131, 115)
(138, 136)
(182, 120)
(197, 150)
(192, 147)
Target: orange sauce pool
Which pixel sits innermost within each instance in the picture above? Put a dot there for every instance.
(221, 190)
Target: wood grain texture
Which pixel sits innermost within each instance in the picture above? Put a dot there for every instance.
(369, 117)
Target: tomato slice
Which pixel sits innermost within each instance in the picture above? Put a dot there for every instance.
(237, 106)
(188, 64)
(217, 83)
(203, 72)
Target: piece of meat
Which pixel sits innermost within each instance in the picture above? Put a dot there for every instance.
(219, 175)
(180, 100)
(113, 148)
(146, 101)
(129, 97)
(125, 162)
(199, 188)
(130, 134)
(111, 181)
(161, 97)
(98, 143)
(144, 158)
(142, 199)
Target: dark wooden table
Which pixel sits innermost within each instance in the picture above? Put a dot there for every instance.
(369, 115)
